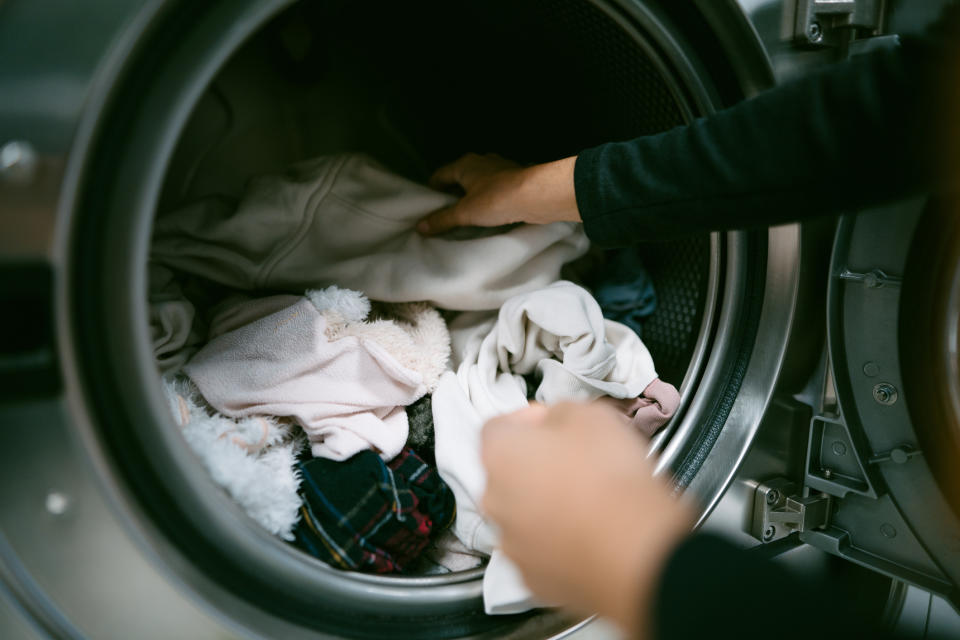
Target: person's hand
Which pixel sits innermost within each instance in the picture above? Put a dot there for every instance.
(579, 511)
(498, 191)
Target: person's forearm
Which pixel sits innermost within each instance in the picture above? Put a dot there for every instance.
(547, 192)
(859, 133)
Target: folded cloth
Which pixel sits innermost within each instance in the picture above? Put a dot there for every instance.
(346, 220)
(559, 334)
(172, 328)
(253, 458)
(347, 392)
(363, 514)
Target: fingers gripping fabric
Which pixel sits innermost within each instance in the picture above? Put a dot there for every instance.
(345, 220)
(557, 333)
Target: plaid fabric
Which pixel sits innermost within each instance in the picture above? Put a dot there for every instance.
(363, 514)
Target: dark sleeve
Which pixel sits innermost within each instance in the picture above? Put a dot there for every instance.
(712, 589)
(855, 134)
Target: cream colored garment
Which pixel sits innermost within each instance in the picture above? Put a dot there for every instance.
(347, 393)
(346, 220)
(558, 333)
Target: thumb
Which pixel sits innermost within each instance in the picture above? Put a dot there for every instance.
(442, 220)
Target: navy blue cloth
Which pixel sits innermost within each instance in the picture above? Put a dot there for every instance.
(624, 290)
(364, 514)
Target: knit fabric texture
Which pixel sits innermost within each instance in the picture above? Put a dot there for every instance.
(421, 438)
(364, 514)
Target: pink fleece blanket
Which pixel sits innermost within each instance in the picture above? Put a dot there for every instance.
(348, 394)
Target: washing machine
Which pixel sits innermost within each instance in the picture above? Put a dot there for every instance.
(818, 363)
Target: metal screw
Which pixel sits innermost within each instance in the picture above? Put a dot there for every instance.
(827, 473)
(871, 369)
(773, 496)
(769, 532)
(839, 449)
(885, 393)
(57, 503)
(888, 530)
(898, 455)
(18, 161)
(814, 32)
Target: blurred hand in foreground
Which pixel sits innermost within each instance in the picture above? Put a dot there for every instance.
(579, 510)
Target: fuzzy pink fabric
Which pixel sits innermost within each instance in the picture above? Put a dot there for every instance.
(653, 409)
(348, 394)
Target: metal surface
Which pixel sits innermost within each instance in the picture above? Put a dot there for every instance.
(873, 279)
(833, 22)
(775, 324)
(778, 510)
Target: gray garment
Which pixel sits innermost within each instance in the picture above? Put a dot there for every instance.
(345, 220)
(173, 328)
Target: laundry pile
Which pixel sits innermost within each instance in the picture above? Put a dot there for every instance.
(343, 413)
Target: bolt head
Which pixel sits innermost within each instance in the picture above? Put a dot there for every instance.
(885, 393)
(769, 532)
(898, 456)
(773, 496)
(814, 32)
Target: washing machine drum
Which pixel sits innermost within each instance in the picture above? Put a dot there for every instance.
(210, 94)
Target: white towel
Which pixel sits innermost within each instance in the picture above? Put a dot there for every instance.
(557, 333)
(347, 221)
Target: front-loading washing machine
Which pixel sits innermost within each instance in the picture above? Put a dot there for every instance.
(117, 111)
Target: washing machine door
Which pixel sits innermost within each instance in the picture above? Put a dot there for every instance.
(109, 526)
(873, 479)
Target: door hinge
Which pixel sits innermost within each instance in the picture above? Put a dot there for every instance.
(779, 510)
(828, 23)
